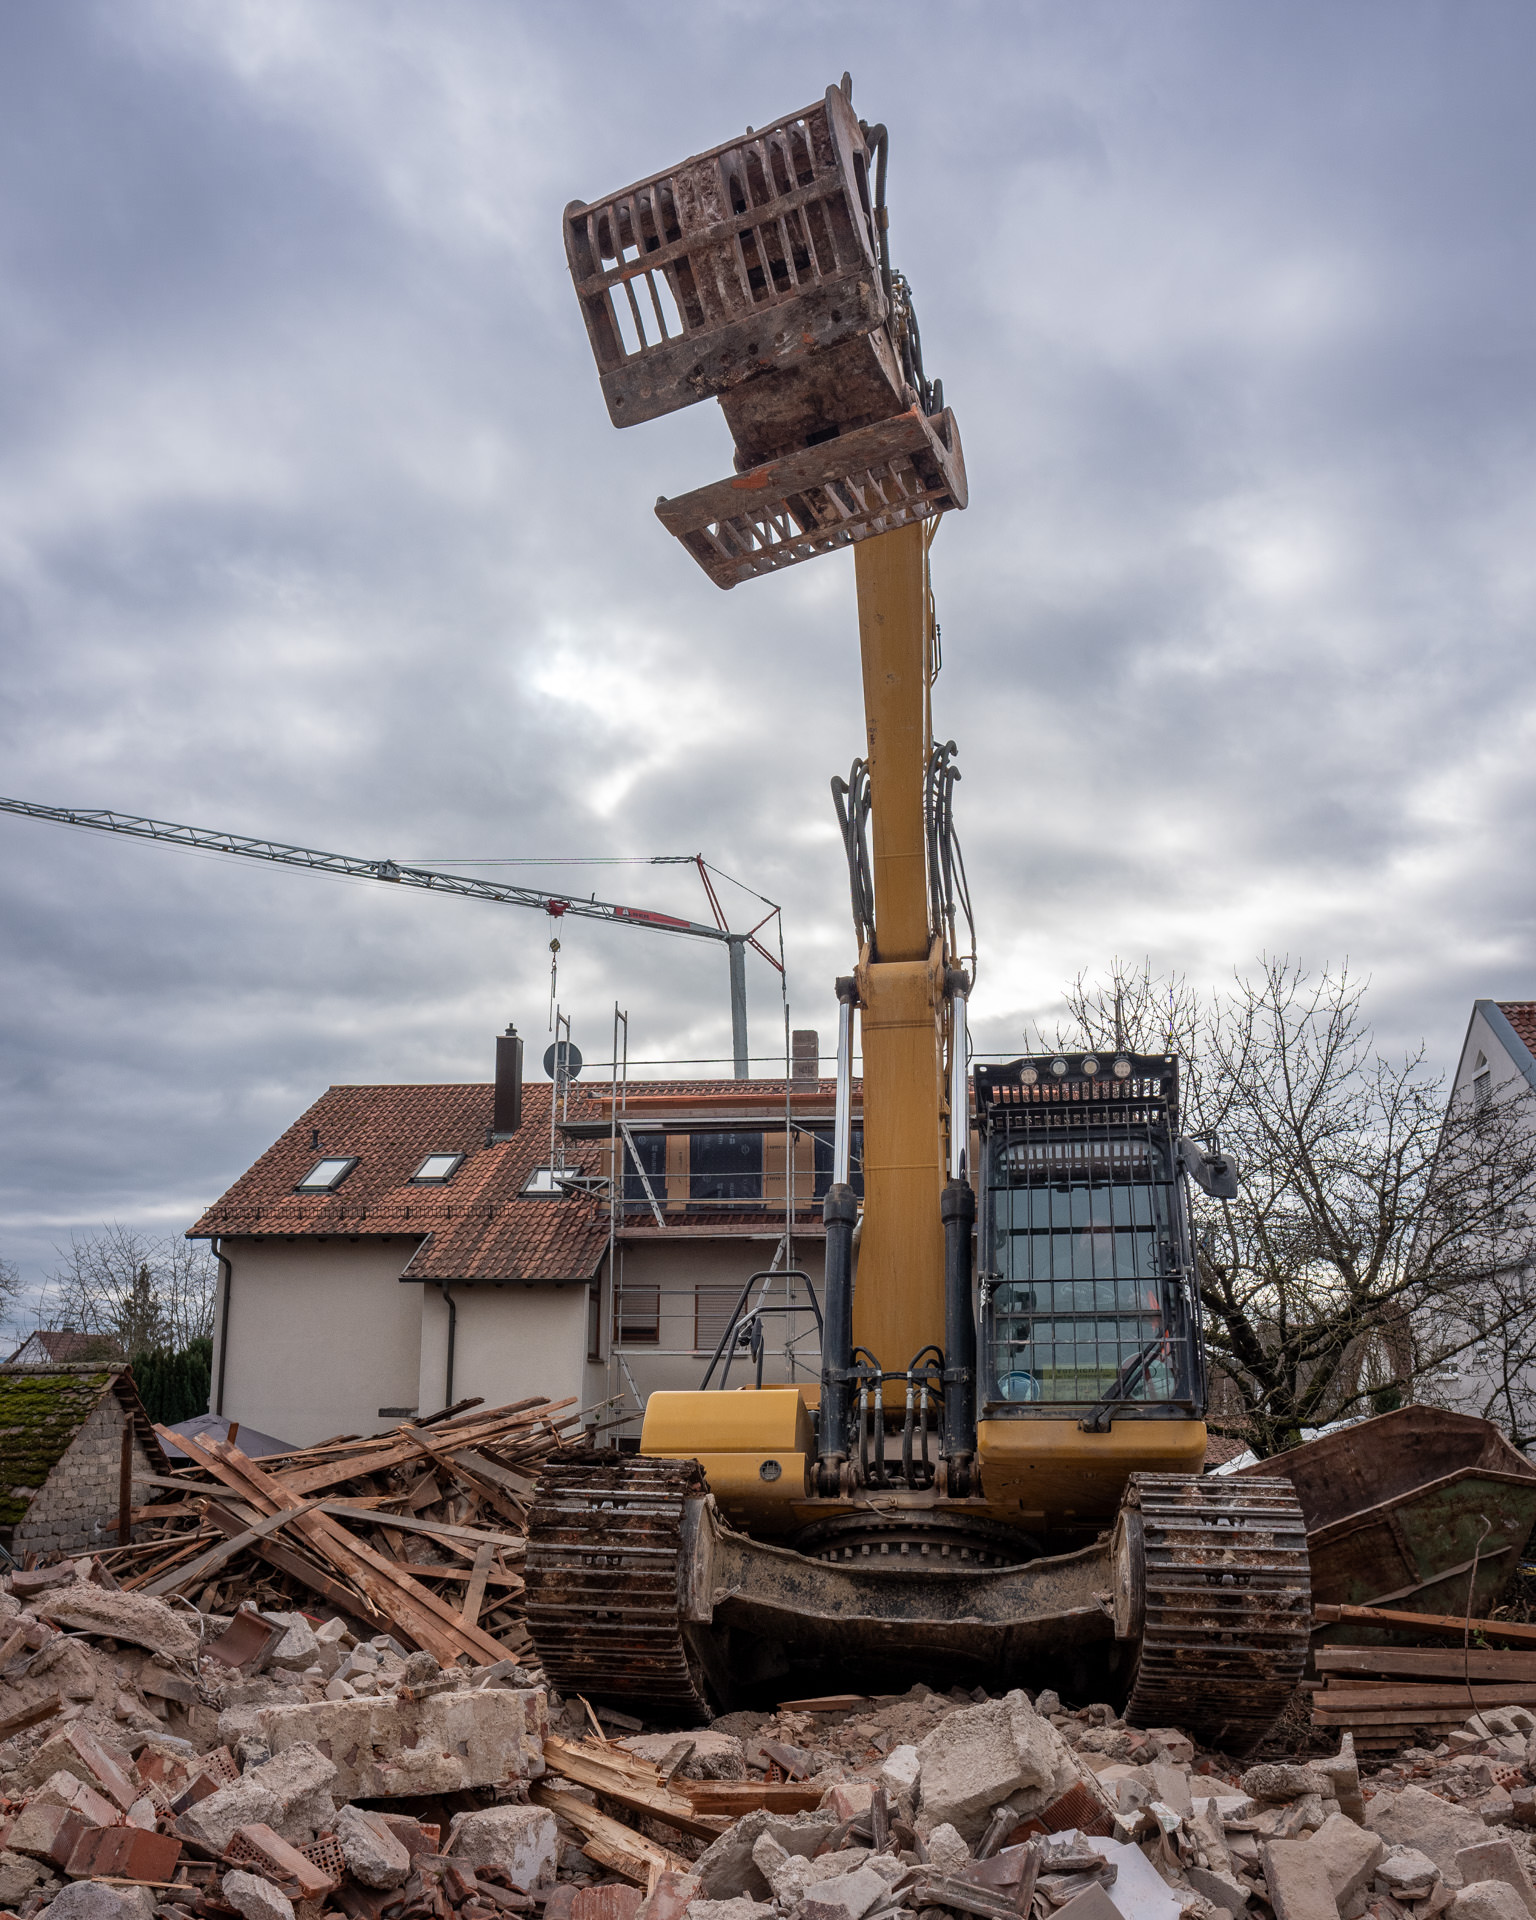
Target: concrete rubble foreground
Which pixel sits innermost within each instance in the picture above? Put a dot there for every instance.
(165, 1762)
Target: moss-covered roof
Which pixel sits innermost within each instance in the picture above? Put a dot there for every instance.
(41, 1411)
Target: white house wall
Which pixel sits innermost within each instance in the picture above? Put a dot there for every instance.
(321, 1335)
(513, 1340)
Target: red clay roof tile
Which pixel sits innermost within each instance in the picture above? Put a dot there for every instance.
(1521, 1015)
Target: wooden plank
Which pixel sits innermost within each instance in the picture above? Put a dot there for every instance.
(25, 1717)
(736, 1797)
(608, 1840)
(632, 1782)
(1513, 1693)
(278, 1555)
(1449, 1663)
(826, 1703)
(332, 1473)
(474, 1593)
(1425, 1622)
(421, 1614)
(183, 1552)
(216, 1556)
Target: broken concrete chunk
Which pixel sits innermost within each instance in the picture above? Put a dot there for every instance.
(298, 1647)
(1277, 1782)
(983, 1756)
(741, 1908)
(441, 1743)
(133, 1617)
(1488, 1900)
(373, 1854)
(1222, 1889)
(1172, 1745)
(1350, 1855)
(20, 1876)
(899, 1774)
(846, 1896)
(726, 1868)
(1404, 1869)
(299, 1780)
(90, 1900)
(255, 1898)
(1342, 1774)
(521, 1841)
(1170, 1784)
(1413, 1817)
(947, 1849)
(1491, 1860)
(1297, 1879)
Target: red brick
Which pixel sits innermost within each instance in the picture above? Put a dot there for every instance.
(124, 1853)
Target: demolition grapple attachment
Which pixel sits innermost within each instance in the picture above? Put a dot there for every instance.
(758, 274)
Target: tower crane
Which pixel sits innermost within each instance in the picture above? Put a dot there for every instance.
(461, 886)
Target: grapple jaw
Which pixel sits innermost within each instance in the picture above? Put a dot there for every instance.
(755, 274)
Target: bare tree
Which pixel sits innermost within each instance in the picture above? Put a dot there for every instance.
(1378, 1235)
(10, 1288)
(134, 1293)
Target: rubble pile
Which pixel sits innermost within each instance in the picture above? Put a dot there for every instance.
(417, 1532)
(278, 1765)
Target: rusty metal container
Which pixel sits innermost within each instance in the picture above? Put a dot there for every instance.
(732, 264)
(1402, 1511)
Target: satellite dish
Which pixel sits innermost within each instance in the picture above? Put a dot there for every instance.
(568, 1056)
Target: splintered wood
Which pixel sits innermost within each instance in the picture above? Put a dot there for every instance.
(419, 1532)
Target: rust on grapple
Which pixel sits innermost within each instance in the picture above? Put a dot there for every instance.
(758, 273)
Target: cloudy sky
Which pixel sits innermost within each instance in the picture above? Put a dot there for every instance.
(312, 525)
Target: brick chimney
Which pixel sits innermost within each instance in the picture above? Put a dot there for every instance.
(507, 1109)
(805, 1054)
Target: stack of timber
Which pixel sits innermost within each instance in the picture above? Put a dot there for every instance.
(418, 1532)
(1388, 1696)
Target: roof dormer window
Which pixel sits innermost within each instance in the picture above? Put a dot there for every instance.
(325, 1176)
(436, 1169)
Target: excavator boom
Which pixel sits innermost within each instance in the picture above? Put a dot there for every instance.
(938, 1499)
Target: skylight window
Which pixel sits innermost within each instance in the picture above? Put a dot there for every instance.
(436, 1168)
(326, 1175)
(542, 1185)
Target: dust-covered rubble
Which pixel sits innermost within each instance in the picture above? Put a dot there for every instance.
(163, 1764)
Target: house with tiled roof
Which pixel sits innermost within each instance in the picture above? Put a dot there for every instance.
(401, 1248)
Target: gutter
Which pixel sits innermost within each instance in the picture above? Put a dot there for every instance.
(215, 1246)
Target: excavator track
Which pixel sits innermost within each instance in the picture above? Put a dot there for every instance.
(1219, 1567)
(606, 1543)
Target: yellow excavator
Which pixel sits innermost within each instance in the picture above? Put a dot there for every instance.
(998, 1479)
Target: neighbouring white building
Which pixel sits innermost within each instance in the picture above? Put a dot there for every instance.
(1498, 1063)
(401, 1248)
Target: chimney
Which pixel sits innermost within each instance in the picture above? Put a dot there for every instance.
(507, 1111)
(805, 1054)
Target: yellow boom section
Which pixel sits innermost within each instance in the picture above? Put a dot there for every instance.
(898, 1302)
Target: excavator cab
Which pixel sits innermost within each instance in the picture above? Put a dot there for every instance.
(1087, 1274)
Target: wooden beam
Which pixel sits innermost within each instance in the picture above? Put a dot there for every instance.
(474, 1593)
(25, 1717)
(632, 1782)
(609, 1841)
(1424, 1622)
(1442, 1663)
(215, 1557)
